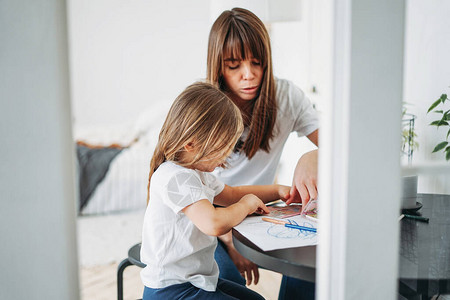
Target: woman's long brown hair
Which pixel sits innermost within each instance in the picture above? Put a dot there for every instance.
(240, 34)
(201, 114)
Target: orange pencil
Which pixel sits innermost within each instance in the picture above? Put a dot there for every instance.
(281, 222)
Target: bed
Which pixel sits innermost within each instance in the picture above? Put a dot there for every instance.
(113, 164)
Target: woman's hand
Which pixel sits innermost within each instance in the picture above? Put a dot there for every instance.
(284, 193)
(247, 269)
(304, 184)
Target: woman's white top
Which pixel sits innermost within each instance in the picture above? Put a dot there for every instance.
(295, 113)
(173, 248)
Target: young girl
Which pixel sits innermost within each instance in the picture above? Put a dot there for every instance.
(181, 223)
(240, 64)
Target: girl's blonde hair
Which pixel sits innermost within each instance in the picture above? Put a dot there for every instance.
(201, 114)
(240, 34)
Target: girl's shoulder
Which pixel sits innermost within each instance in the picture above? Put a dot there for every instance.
(171, 172)
(168, 170)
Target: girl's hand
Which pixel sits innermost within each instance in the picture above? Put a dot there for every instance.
(254, 204)
(304, 184)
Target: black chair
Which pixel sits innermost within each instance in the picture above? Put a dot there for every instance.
(134, 258)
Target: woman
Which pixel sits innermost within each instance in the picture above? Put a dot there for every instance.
(239, 63)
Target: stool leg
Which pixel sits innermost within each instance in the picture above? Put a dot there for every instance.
(123, 264)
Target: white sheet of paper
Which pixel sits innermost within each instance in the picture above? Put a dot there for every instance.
(269, 236)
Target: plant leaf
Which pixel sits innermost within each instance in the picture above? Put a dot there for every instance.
(435, 123)
(440, 146)
(436, 103)
(447, 154)
(448, 133)
(443, 98)
(439, 123)
(438, 111)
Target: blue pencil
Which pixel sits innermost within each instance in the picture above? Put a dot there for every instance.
(300, 227)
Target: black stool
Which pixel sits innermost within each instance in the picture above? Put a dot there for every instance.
(134, 258)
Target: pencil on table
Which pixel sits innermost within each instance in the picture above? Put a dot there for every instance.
(281, 222)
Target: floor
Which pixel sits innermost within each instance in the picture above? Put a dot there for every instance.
(99, 283)
(103, 241)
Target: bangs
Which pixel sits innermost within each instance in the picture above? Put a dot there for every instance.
(242, 43)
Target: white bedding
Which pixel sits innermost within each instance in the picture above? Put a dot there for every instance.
(124, 187)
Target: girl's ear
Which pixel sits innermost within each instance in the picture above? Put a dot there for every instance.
(189, 147)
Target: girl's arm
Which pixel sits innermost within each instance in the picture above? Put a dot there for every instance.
(230, 195)
(216, 221)
(267, 193)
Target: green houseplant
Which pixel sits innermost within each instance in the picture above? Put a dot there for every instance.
(443, 121)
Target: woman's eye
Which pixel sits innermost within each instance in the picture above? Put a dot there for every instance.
(256, 62)
(233, 67)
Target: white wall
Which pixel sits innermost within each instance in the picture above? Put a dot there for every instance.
(37, 218)
(426, 77)
(127, 56)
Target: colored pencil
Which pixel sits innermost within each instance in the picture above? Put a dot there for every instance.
(300, 227)
(275, 221)
(289, 225)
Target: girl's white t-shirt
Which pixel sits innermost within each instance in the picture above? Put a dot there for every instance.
(173, 248)
(295, 113)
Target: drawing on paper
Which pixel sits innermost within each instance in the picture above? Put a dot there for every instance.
(269, 236)
(282, 232)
